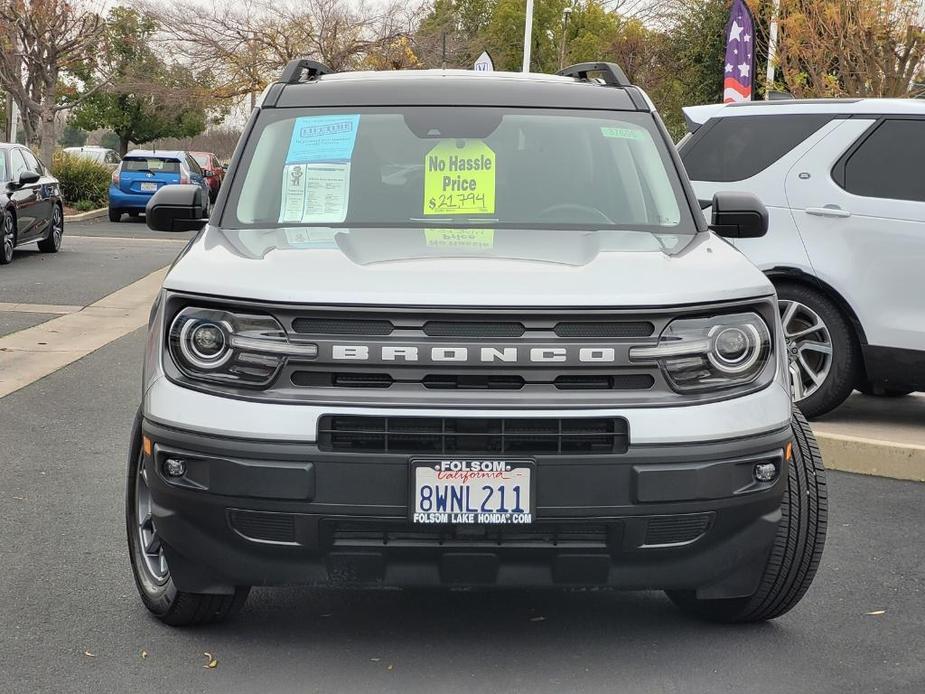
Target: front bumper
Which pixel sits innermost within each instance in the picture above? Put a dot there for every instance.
(671, 516)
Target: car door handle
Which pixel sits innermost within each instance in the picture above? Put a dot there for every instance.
(828, 211)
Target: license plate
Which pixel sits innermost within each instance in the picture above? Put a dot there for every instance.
(148, 187)
(470, 491)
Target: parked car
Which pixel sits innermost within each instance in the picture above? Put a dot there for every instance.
(844, 183)
(30, 200)
(143, 172)
(101, 155)
(212, 169)
(520, 358)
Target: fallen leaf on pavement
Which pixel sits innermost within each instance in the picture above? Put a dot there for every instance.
(537, 619)
(144, 653)
(374, 660)
(89, 654)
(390, 667)
(213, 662)
(876, 613)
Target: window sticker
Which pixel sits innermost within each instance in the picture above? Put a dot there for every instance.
(622, 133)
(315, 193)
(459, 178)
(303, 237)
(460, 239)
(323, 138)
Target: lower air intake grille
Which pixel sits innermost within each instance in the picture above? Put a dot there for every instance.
(264, 527)
(673, 530)
(383, 533)
(463, 435)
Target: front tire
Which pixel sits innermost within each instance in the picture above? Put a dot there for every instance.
(149, 565)
(797, 547)
(824, 356)
(52, 243)
(115, 215)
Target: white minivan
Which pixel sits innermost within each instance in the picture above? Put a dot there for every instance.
(844, 183)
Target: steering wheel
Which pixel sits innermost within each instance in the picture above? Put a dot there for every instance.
(564, 212)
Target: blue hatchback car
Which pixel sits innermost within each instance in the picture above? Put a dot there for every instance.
(143, 172)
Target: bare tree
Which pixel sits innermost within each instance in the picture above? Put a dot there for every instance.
(851, 47)
(245, 44)
(42, 41)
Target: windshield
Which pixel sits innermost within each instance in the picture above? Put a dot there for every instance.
(457, 167)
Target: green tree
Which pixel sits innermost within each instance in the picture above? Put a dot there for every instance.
(147, 99)
(72, 137)
(109, 140)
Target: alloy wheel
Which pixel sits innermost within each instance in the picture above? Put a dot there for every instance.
(809, 348)
(9, 238)
(150, 546)
(57, 227)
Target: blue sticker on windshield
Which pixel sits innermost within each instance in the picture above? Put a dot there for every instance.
(323, 138)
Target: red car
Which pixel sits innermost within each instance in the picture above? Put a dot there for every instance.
(212, 169)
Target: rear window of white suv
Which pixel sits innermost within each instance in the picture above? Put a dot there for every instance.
(738, 147)
(442, 166)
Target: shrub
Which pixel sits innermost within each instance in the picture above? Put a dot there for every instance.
(86, 205)
(82, 180)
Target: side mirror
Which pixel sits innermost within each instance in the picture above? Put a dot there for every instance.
(739, 215)
(27, 178)
(176, 207)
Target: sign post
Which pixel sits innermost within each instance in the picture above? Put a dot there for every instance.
(528, 36)
(484, 63)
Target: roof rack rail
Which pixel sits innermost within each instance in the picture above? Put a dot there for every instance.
(312, 69)
(612, 73)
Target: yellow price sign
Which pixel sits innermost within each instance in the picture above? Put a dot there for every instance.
(459, 178)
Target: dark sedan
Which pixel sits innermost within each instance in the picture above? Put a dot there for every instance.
(30, 198)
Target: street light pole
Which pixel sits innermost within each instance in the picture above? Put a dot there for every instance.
(566, 15)
(772, 48)
(528, 36)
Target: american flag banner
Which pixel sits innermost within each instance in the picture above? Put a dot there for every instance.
(740, 54)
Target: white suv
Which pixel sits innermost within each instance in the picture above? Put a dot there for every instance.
(844, 183)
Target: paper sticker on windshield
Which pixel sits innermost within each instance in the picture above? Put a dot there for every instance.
(460, 239)
(459, 178)
(315, 193)
(622, 133)
(323, 138)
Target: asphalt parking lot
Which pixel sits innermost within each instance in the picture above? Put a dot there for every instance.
(70, 620)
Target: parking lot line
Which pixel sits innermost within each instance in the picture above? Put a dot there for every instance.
(31, 354)
(57, 309)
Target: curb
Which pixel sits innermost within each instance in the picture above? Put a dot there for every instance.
(92, 214)
(872, 456)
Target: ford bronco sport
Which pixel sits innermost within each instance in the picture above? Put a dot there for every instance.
(470, 330)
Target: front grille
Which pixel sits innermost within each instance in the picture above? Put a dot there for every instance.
(674, 530)
(264, 527)
(380, 533)
(462, 435)
(472, 329)
(305, 378)
(608, 329)
(341, 326)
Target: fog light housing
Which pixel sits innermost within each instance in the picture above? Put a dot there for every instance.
(766, 472)
(174, 467)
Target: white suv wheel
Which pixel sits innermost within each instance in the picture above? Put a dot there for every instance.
(809, 348)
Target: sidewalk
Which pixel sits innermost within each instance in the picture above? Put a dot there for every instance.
(875, 436)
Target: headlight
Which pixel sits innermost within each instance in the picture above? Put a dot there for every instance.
(707, 354)
(228, 347)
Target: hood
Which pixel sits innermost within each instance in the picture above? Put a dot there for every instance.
(465, 267)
